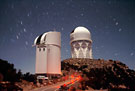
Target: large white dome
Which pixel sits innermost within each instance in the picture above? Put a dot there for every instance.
(80, 33)
(81, 29)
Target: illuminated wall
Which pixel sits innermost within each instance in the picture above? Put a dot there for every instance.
(48, 53)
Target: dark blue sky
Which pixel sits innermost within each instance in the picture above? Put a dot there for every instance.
(111, 23)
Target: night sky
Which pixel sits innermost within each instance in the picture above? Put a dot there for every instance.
(111, 23)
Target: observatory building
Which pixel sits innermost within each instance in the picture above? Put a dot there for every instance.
(81, 43)
(48, 53)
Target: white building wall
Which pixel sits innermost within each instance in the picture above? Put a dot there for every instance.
(54, 62)
(54, 53)
(41, 60)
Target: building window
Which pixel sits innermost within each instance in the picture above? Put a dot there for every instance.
(39, 49)
(83, 45)
(77, 46)
(44, 49)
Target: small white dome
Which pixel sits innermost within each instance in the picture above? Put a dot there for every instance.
(35, 41)
(43, 38)
(40, 39)
(81, 30)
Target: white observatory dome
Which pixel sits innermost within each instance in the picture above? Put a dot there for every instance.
(81, 30)
(40, 39)
(80, 33)
(81, 43)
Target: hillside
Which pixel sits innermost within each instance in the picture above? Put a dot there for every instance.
(101, 74)
(95, 74)
(13, 80)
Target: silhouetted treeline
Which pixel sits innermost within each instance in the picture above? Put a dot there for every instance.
(9, 73)
(29, 77)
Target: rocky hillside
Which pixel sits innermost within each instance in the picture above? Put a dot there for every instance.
(101, 74)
